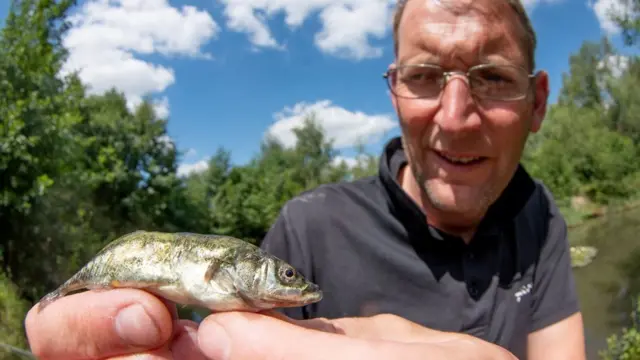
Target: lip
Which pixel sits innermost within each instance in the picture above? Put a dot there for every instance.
(452, 168)
(458, 154)
(312, 297)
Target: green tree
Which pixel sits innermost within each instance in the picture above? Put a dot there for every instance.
(626, 345)
(627, 19)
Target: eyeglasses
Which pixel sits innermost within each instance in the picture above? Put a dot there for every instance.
(486, 81)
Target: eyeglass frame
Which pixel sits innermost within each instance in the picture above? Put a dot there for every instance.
(448, 74)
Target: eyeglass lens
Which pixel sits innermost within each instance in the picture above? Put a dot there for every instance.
(498, 82)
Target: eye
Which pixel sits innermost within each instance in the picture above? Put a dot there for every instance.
(289, 273)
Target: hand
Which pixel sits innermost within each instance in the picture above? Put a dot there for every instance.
(112, 325)
(244, 336)
(87, 326)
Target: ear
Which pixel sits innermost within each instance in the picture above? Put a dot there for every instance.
(541, 96)
(394, 100)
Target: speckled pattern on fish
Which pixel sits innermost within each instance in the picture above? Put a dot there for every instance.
(221, 273)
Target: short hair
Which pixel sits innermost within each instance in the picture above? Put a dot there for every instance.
(529, 36)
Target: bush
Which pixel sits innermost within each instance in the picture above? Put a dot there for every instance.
(12, 313)
(625, 346)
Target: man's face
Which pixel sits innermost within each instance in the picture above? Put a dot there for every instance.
(457, 36)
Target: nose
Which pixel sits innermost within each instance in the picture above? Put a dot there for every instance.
(456, 112)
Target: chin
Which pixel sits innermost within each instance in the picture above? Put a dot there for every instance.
(466, 201)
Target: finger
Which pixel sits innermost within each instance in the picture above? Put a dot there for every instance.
(171, 306)
(378, 327)
(98, 324)
(162, 353)
(244, 336)
(392, 328)
(321, 324)
(185, 343)
(183, 346)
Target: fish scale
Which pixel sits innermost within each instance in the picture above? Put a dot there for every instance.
(221, 273)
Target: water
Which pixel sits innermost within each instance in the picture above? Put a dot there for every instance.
(607, 285)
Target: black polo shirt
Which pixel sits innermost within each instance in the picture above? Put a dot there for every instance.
(368, 246)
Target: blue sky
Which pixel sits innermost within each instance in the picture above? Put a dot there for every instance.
(252, 68)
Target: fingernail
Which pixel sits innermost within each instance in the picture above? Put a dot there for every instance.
(135, 327)
(214, 341)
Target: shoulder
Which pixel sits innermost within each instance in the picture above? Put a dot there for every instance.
(553, 219)
(539, 214)
(317, 219)
(546, 197)
(334, 201)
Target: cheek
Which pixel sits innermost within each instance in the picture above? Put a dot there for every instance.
(416, 118)
(507, 132)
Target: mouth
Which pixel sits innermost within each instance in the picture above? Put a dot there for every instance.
(461, 160)
(312, 293)
(313, 297)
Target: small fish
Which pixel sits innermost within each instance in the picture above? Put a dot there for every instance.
(220, 273)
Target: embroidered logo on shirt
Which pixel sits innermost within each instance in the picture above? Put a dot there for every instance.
(524, 290)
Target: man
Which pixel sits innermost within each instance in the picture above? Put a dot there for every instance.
(470, 254)
(452, 234)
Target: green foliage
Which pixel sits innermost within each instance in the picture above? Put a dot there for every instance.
(12, 312)
(626, 345)
(628, 19)
(580, 155)
(245, 200)
(589, 141)
(34, 102)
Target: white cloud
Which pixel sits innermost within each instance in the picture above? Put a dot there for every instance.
(190, 152)
(347, 29)
(167, 141)
(190, 168)
(107, 35)
(347, 25)
(617, 64)
(604, 9)
(351, 162)
(161, 107)
(345, 127)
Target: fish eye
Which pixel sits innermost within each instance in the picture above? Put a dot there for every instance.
(289, 273)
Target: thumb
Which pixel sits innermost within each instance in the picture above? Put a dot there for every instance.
(244, 336)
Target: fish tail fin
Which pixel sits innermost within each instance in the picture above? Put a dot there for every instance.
(73, 284)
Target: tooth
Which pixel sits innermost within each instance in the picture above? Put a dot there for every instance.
(462, 160)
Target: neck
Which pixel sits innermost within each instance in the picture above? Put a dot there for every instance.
(452, 223)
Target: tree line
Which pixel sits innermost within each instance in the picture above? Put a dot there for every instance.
(78, 170)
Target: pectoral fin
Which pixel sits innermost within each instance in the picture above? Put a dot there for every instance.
(213, 268)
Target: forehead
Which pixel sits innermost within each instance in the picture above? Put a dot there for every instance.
(455, 32)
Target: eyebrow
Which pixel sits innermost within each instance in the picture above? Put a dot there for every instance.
(489, 53)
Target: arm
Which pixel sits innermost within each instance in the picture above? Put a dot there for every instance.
(557, 328)
(562, 340)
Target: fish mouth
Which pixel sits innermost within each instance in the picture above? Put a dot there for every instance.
(294, 297)
(313, 297)
(312, 293)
